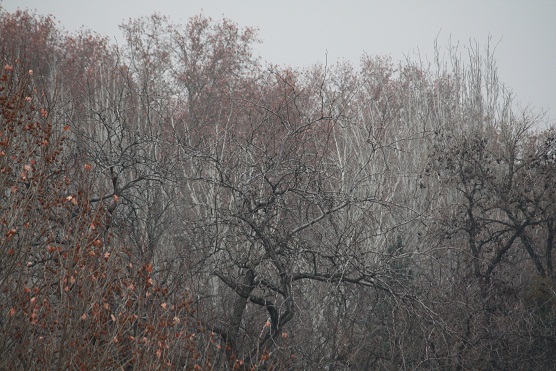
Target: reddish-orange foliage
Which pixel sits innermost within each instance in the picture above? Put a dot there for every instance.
(68, 299)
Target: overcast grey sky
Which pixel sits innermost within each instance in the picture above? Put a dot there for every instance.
(301, 32)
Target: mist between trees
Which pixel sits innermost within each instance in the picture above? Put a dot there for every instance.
(171, 203)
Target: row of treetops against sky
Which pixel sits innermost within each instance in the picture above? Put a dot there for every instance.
(170, 202)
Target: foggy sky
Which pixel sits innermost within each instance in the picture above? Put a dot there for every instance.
(303, 32)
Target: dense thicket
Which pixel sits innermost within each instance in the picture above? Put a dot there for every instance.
(172, 203)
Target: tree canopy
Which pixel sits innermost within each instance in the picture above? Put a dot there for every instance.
(173, 203)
